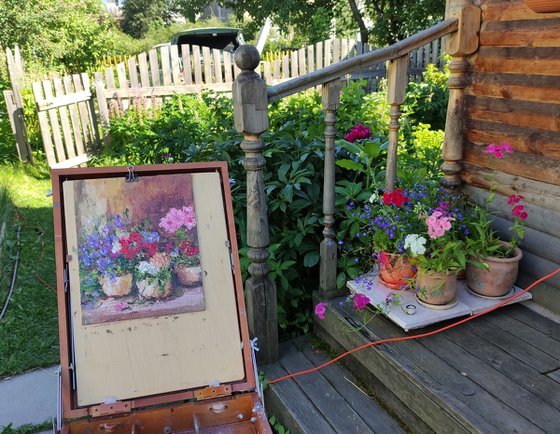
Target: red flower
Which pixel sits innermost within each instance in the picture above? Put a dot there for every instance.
(514, 198)
(359, 132)
(523, 215)
(131, 245)
(517, 209)
(395, 197)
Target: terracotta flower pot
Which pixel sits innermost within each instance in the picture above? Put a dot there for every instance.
(152, 289)
(116, 286)
(543, 6)
(395, 271)
(498, 279)
(188, 276)
(436, 288)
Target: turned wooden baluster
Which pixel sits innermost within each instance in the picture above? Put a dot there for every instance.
(327, 273)
(250, 110)
(397, 79)
(459, 45)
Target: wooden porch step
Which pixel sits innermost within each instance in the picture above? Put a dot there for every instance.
(498, 373)
(327, 401)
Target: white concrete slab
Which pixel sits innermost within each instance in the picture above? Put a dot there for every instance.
(467, 303)
(29, 398)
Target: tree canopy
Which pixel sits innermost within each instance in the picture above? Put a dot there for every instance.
(70, 34)
(380, 22)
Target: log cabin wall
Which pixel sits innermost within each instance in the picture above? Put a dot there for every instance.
(513, 96)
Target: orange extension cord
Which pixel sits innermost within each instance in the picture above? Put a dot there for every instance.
(421, 335)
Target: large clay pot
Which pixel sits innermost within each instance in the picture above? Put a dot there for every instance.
(151, 289)
(188, 276)
(436, 288)
(116, 286)
(498, 279)
(395, 271)
(543, 6)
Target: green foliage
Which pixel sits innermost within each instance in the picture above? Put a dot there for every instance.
(65, 36)
(140, 15)
(27, 428)
(277, 426)
(427, 99)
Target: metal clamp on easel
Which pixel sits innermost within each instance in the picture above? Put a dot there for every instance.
(131, 176)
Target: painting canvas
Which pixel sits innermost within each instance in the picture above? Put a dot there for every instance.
(137, 247)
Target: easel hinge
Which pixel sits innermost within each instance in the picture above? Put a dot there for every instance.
(212, 392)
(110, 409)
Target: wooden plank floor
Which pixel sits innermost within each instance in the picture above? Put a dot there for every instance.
(328, 401)
(498, 373)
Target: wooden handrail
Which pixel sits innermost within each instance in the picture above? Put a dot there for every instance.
(362, 61)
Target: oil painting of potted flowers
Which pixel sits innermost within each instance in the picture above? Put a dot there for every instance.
(144, 259)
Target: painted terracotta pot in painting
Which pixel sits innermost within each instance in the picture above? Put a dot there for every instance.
(152, 289)
(116, 286)
(498, 279)
(188, 276)
(395, 271)
(543, 6)
(436, 288)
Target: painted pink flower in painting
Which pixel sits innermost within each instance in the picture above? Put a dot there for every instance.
(360, 301)
(320, 310)
(176, 219)
(121, 305)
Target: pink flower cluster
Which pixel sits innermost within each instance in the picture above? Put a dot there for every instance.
(360, 301)
(178, 218)
(359, 132)
(438, 223)
(498, 150)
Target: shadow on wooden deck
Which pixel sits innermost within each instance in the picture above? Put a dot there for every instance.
(498, 373)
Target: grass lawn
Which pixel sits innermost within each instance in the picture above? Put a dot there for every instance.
(29, 328)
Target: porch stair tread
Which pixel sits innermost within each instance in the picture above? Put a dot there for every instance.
(498, 373)
(326, 401)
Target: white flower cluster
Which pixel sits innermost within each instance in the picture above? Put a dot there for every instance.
(116, 247)
(416, 244)
(148, 268)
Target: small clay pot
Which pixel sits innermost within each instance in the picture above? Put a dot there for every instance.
(116, 286)
(152, 290)
(498, 280)
(436, 288)
(395, 271)
(188, 276)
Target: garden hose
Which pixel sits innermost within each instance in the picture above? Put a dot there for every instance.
(418, 336)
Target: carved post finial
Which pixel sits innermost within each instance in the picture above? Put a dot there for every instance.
(250, 111)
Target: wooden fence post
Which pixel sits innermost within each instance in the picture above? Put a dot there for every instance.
(250, 110)
(459, 45)
(397, 79)
(16, 72)
(328, 248)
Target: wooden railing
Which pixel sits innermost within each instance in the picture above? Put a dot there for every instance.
(251, 98)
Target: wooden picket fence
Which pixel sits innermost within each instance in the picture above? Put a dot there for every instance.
(71, 109)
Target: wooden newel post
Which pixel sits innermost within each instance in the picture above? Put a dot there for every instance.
(250, 110)
(327, 268)
(459, 45)
(397, 79)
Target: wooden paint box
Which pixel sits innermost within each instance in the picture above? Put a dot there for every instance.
(153, 328)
